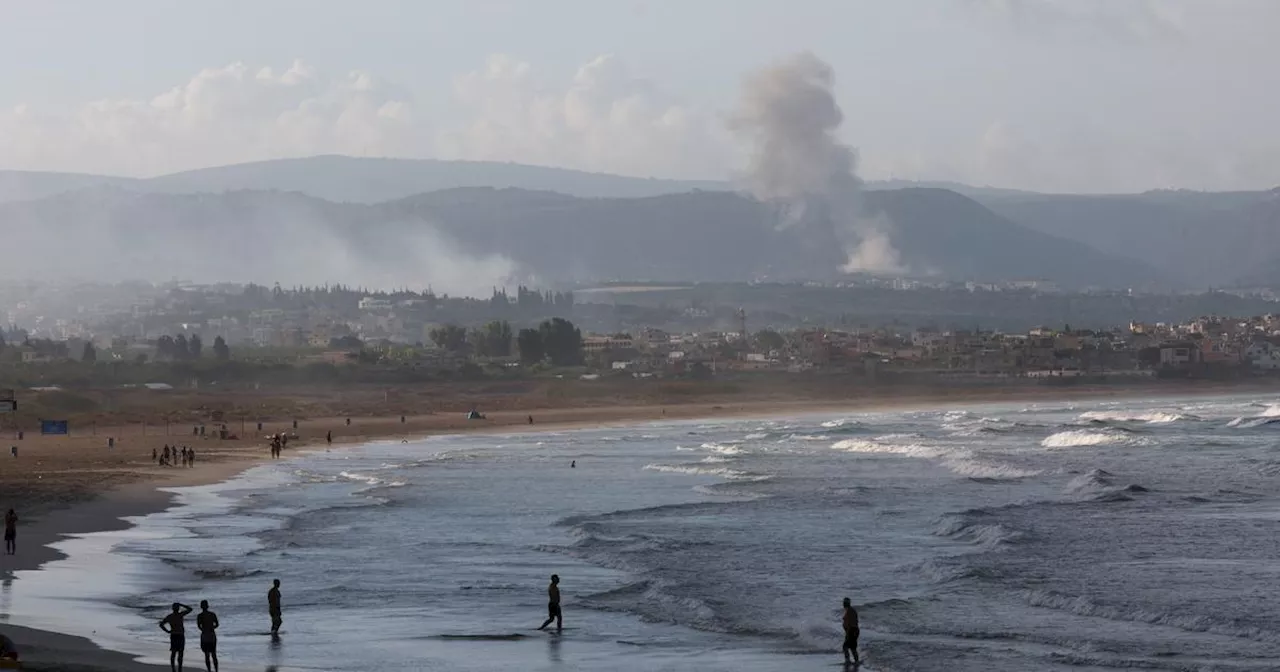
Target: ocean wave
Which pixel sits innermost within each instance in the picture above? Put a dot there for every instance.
(723, 448)
(1083, 606)
(831, 424)
(699, 470)
(1089, 437)
(756, 436)
(1150, 417)
(1252, 423)
(984, 471)
(1099, 485)
(990, 536)
(872, 446)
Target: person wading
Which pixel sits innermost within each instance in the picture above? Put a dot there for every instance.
(273, 607)
(851, 631)
(553, 604)
(207, 621)
(173, 625)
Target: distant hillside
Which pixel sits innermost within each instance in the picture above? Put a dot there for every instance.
(19, 185)
(357, 180)
(476, 235)
(1204, 239)
(345, 179)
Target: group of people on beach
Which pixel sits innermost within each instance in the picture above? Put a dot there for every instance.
(208, 624)
(278, 443)
(169, 457)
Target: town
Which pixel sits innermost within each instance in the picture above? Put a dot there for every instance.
(530, 331)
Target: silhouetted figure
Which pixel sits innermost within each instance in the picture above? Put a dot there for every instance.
(531, 419)
(155, 455)
(573, 464)
(191, 457)
(553, 604)
(851, 632)
(11, 532)
(328, 437)
(207, 621)
(173, 625)
(273, 607)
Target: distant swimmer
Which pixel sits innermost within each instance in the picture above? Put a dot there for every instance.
(851, 632)
(553, 604)
(273, 607)
(207, 621)
(173, 625)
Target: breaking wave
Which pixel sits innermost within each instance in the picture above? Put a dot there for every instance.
(1152, 417)
(1088, 437)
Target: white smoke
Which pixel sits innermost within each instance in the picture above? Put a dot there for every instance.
(789, 118)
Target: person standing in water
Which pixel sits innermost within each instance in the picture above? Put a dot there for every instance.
(273, 607)
(851, 632)
(553, 604)
(173, 625)
(207, 621)
(11, 533)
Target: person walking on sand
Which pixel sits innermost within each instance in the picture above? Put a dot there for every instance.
(553, 605)
(851, 632)
(11, 533)
(173, 625)
(207, 621)
(273, 607)
(191, 457)
(328, 437)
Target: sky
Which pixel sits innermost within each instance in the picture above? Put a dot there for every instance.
(1049, 95)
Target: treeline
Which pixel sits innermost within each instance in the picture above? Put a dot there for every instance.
(556, 341)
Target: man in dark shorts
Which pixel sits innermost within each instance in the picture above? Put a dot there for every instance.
(207, 621)
(851, 632)
(553, 604)
(11, 532)
(273, 607)
(173, 625)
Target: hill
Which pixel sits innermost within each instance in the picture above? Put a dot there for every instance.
(468, 239)
(1204, 239)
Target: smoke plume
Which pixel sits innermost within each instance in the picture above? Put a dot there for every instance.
(789, 118)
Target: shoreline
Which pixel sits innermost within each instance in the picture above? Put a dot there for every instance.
(142, 491)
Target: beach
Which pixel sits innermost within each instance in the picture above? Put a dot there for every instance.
(76, 485)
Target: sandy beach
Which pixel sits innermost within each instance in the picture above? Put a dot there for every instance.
(62, 485)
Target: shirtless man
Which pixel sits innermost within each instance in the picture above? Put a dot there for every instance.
(553, 604)
(851, 632)
(173, 625)
(273, 607)
(207, 621)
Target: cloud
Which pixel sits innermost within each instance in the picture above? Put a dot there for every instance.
(605, 119)
(222, 115)
(1133, 21)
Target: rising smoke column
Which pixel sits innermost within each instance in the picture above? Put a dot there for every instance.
(789, 118)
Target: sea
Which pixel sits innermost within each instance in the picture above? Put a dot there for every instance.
(1013, 537)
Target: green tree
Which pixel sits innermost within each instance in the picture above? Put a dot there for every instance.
(195, 346)
(562, 341)
(768, 339)
(89, 354)
(494, 340)
(450, 337)
(180, 350)
(529, 341)
(220, 350)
